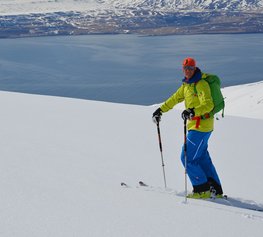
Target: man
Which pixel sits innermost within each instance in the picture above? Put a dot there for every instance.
(196, 94)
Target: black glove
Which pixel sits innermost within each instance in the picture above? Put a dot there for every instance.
(188, 114)
(157, 115)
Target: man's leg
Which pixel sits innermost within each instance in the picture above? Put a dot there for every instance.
(196, 145)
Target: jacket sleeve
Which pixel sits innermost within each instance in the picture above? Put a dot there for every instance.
(176, 98)
(205, 98)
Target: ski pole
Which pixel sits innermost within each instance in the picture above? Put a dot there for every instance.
(161, 150)
(185, 159)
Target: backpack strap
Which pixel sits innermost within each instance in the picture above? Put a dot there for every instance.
(195, 90)
(195, 83)
(205, 116)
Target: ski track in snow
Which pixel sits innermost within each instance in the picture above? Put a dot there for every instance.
(244, 208)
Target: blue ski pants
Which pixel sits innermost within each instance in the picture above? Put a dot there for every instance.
(199, 163)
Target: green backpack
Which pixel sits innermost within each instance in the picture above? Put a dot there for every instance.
(218, 99)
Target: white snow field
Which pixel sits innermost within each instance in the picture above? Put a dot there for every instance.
(62, 161)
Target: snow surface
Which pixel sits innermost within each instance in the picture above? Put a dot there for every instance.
(62, 161)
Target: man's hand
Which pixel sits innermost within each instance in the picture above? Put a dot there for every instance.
(188, 114)
(157, 116)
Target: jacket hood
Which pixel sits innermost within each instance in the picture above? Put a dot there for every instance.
(195, 78)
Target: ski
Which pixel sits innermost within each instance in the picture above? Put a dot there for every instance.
(225, 200)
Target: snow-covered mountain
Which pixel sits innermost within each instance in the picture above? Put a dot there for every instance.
(191, 5)
(26, 6)
(20, 18)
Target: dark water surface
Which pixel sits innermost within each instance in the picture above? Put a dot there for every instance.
(124, 68)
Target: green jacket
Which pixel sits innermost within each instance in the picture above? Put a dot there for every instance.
(202, 104)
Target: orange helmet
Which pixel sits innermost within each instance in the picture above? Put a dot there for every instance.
(189, 62)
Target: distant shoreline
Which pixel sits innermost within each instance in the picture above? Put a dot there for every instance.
(141, 34)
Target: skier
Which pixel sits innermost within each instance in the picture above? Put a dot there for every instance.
(200, 168)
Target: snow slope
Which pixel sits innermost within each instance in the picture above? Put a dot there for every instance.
(249, 95)
(62, 161)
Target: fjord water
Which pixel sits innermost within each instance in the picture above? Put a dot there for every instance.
(124, 68)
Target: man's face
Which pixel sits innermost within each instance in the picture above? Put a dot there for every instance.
(189, 71)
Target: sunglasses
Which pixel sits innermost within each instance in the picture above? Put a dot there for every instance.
(191, 68)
